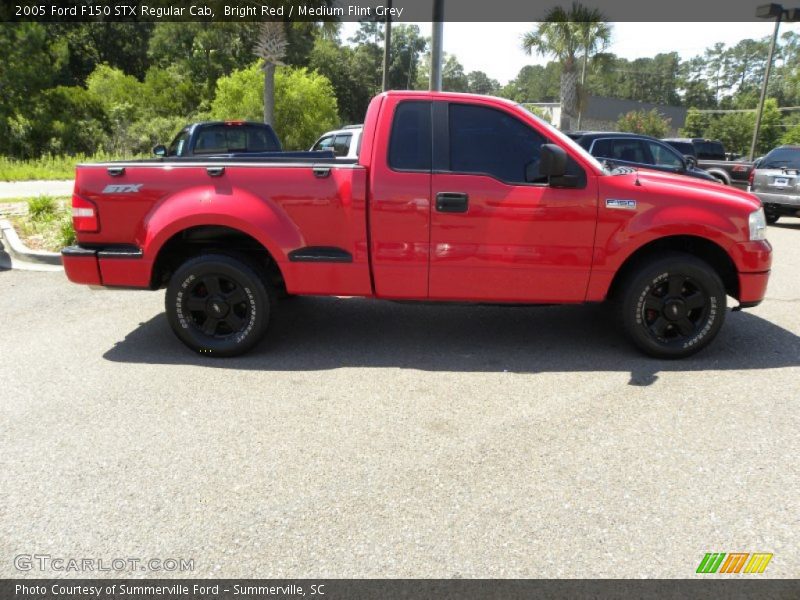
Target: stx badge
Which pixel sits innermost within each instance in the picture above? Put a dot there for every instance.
(125, 188)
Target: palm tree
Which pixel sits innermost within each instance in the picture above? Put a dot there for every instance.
(566, 34)
(271, 49)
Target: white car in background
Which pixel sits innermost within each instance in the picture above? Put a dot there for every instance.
(345, 142)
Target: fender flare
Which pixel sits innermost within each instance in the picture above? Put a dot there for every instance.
(235, 208)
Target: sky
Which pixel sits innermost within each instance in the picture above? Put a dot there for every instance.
(494, 48)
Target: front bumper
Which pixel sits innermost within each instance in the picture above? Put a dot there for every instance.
(754, 260)
(113, 266)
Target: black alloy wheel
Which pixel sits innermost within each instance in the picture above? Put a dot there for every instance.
(219, 305)
(672, 306)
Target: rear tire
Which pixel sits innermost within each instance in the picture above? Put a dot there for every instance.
(672, 306)
(218, 305)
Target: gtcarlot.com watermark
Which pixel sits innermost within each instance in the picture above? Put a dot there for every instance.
(71, 564)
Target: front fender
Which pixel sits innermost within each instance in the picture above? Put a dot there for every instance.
(619, 237)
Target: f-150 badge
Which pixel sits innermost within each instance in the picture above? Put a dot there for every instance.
(622, 204)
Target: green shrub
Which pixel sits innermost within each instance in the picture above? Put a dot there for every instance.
(42, 208)
(305, 105)
(644, 122)
(66, 233)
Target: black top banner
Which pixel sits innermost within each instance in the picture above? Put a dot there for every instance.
(403, 11)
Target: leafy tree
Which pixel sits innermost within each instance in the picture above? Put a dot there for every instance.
(696, 123)
(120, 45)
(453, 77)
(353, 88)
(735, 129)
(644, 122)
(566, 34)
(534, 83)
(31, 63)
(407, 47)
(792, 136)
(305, 105)
(65, 120)
(479, 82)
(202, 52)
(168, 93)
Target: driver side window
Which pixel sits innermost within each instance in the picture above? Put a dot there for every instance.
(486, 141)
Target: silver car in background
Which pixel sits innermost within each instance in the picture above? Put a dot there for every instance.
(776, 181)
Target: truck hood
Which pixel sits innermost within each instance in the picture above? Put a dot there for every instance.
(696, 190)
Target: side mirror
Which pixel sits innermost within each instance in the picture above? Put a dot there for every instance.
(691, 161)
(160, 151)
(553, 161)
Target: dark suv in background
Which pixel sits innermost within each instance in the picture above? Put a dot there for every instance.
(639, 151)
(710, 156)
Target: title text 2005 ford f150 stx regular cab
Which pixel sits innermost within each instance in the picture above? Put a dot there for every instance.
(453, 198)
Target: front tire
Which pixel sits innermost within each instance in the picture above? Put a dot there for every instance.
(772, 215)
(218, 305)
(673, 306)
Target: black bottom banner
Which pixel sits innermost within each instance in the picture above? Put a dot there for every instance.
(388, 589)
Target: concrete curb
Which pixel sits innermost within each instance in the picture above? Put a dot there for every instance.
(22, 252)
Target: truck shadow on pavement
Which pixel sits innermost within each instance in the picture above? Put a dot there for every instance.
(310, 334)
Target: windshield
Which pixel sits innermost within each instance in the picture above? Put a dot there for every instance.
(567, 141)
(782, 158)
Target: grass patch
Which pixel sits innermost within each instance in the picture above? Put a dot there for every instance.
(49, 167)
(42, 208)
(47, 226)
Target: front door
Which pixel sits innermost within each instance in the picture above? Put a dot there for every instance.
(499, 232)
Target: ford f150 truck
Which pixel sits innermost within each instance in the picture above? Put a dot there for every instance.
(453, 197)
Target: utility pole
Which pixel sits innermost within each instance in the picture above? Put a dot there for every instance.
(437, 32)
(387, 46)
(764, 12)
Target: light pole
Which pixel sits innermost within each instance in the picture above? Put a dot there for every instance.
(777, 12)
(387, 47)
(437, 32)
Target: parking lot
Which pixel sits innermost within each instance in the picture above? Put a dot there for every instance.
(375, 439)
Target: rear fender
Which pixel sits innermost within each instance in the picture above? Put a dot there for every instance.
(260, 218)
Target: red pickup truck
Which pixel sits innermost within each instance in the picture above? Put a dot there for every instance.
(454, 197)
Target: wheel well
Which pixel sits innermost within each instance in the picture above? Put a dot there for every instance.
(194, 241)
(704, 249)
(720, 175)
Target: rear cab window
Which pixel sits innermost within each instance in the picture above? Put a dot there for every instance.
(225, 139)
(709, 150)
(410, 141)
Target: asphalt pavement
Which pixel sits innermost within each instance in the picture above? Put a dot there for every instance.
(375, 439)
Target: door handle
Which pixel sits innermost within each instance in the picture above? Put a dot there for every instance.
(116, 171)
(455, 202)
(215, 171)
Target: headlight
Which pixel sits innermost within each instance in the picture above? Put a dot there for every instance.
(758, 225)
